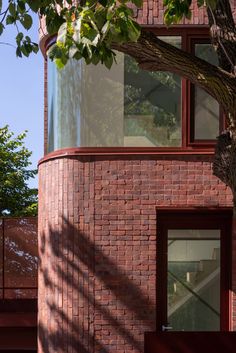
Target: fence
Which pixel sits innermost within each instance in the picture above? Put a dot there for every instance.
(18, 258)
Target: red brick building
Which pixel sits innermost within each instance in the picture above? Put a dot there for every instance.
(134, 230)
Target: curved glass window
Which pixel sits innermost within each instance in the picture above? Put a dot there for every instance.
(91, 106)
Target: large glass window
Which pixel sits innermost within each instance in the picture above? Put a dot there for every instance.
(86, 105)
(91, 106)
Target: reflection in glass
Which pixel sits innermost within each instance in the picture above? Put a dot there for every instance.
(152, 105)
(90, 106)
(194, 280)
(18, 258)
(85, 105)
(20, 253)
(206, 122)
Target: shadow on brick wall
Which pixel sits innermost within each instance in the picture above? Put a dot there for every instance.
(85, 298)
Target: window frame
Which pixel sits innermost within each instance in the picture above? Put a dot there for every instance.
(191, 36)
(192, 141)
(202, 218)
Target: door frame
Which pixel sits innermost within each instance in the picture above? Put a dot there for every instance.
(198, 218)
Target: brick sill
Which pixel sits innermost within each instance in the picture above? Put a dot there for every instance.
(125, 151)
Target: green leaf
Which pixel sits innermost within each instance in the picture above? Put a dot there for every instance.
(54, 52)
(108, 61)
(18, 52)
(34, 5)
(59, 63)
(77, 55)
(26, 21)
(25, 50)
(137, 3)
(20, 6)
(35, 48)
(0, 5)
(96, 58)
(12, 9)
(54, 23)
(15, 196)
(10, 20)
(134, 31)
(19, 38)
(103, 2)
(200, 3)
(105, 28)
(1, 28)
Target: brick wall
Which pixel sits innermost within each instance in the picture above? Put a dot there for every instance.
(152, 13)
(98, 228)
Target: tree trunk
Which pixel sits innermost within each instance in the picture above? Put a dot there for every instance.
(223, 33)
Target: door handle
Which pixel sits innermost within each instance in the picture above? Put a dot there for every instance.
(166, 328)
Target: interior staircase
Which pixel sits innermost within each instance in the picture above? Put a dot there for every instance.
(194, 282)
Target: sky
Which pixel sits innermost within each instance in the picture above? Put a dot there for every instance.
(21, 93)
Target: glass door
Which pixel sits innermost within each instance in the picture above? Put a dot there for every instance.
(193, 278)
(193, 291)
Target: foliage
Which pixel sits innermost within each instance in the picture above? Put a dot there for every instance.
(16, 198)
(177, 9)
(86, 28)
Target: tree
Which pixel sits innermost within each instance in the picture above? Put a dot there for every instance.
(92, 29)
(16, 198)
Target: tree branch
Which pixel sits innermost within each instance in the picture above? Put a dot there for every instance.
(154, 54)
(223, 34)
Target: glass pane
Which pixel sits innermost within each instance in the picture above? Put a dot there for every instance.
(85, 105)
(152, 105)
(20, 253)
(91, 106)
(206, 122)
(194, 280)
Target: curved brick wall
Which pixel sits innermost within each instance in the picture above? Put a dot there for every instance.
(97, 225)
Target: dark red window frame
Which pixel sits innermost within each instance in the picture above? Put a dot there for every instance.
(191, 36)
(191, 111)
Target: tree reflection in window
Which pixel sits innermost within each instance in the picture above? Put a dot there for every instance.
(152, 107)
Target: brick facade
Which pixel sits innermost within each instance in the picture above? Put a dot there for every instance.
(152, 13)
(98, 227)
